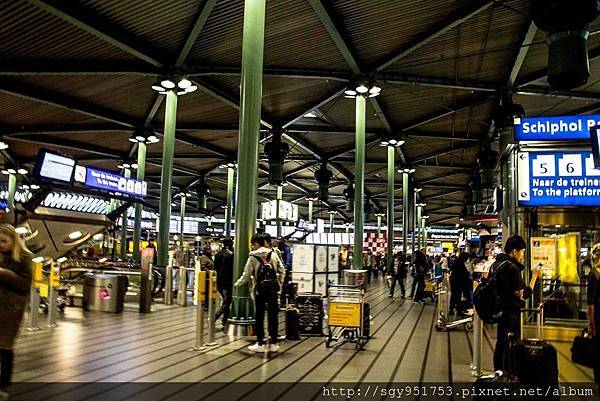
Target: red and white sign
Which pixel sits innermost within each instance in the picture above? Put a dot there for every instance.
(376, 243)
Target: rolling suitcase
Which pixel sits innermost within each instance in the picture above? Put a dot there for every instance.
(534, 361)
(292, 324)
(491, 388)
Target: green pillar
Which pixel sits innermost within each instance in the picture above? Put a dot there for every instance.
(413, 210)
(419, 239)
(253, 43)
(391, 181)
(359, 181)
(310, 211)
(166, 178)
(424, 231)
(12, 190)
(378, 224)
(137, 224)
(279, 197)
(124, 218)
(229, 210)
(181, 221)
(405, 211)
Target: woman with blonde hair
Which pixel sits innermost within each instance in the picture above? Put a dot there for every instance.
(15, 281)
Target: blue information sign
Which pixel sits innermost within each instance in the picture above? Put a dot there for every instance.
(555, 128)
(558, 179)
(111, 182)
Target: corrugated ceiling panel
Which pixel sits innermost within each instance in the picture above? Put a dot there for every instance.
(549, 106)
(17, 111)
(390, 24)
(474, 120)
(226, 139)
(30, 34)
(482, 48)
(160, 24)
(199, 107)
(128, 94)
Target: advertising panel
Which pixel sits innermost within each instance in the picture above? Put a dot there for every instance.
(543, 250)
(550, 178)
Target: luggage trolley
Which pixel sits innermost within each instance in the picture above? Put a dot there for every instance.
(348, 316)
(442, 291)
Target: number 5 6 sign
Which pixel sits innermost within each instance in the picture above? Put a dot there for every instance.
(557, 179)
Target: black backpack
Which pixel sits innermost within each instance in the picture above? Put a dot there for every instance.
(266, 276)
(485, 298)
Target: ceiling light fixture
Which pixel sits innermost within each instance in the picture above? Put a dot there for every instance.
(363, 88)
(179, 85)
(394, 142)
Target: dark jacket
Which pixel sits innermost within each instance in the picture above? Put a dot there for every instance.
(15, 282)
(224, 268)
(509, 280)
(286, 257)
(422, 264)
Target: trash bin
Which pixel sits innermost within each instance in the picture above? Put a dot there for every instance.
(355, 277)
(104, 292)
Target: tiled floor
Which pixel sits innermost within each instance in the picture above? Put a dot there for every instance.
(130, 347)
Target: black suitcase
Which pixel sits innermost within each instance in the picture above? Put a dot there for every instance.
(292, 324)
(585, 351)
(534, 361)
(366, 321)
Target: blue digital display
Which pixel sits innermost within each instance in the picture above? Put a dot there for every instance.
(555, 128)
(558, 179)
(113, 182)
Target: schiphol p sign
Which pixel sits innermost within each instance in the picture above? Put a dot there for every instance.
(555, 128)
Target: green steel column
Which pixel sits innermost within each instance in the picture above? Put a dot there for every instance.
(391, 174)
(331, 221)
(166, 178)
(253, 44)
(347, 228)
(229, 210)
(405, 211)
(12, 190)
(359, 181)
(378, 224)
(124, 218)
(181, 221)
(424, 235)
(310, 211)
(279, 198)
(137, 224)
(419, 239)
(414, 225)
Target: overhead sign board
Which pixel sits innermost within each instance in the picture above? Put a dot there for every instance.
(555, 128)
(54, 167)
(110, 181)
(558, 179)
(287, 211)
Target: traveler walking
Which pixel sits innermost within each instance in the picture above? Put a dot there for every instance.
(265, 271)
(593, 302)
(15, 281)
(224, 269)
(398, 272)
(512, 291)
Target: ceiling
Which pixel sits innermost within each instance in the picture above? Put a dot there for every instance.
(75, 77)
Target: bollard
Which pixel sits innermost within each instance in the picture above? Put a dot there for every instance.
(211, 323)
(200, 295)
(34, 307)
(168, 297)
(477, 346)
(53, 284)
(182, 291)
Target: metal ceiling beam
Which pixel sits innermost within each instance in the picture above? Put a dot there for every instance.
(326, 99)
(336, 33)
(441, 195)
(73, 145)
(437, 177)
(539, 90)
(299, 169)
(445, 151)
(522, 54)
(437, 31)
(204, 10)
(465, 169)
(443, 83)
(442, 220)
(330, 75)
(43, 96)
(183, 138)
(90, 24)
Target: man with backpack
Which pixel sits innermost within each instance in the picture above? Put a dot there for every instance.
(511, 291)
(265, 271)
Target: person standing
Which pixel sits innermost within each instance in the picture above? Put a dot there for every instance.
(421, 268)
(15, 282)
(224, 269)
(512, 291)
(593, 302)
(286, 258)
(398, 273)
(265, 271)
(206, 262)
